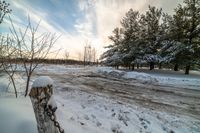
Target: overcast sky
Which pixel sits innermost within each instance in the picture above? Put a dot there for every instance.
(79, 20)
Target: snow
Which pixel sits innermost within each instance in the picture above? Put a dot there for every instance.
(52, 103)
(175, 79)
(42, 81)
(6, 87)
(17, 116)
(84, 109)
(59, 69)
(140, 76)
(81, 112)
(107, 70)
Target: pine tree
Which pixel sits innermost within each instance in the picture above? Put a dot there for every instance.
(185, 32)
(150, 23)
(192, 14)
(112, 57)
(130, 41)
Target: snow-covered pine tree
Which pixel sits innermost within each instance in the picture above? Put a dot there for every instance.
(164, 42)
(185, 34)
(130, 42)
(151, 25)
(192, 32)
(110, 56)
(172, 46)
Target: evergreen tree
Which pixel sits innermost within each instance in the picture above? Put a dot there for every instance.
(151, 26)
(156, 37)
(112, 57)
(192, 32)
(185, 33)
(130, 42)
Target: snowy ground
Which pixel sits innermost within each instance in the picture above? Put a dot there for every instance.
(104, 100)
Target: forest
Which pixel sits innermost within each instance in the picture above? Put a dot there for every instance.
(156, 38)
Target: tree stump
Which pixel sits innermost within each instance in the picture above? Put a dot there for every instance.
(42, 100)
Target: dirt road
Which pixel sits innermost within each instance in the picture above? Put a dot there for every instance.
(173, 100)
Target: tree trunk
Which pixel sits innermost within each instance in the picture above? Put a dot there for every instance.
(13, 82)
(176, 67)
(133, 67)
(27, 85)
(160, 65)
(151, 65)
(187, 69)
(137, 66)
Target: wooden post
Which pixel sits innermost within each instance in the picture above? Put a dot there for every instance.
(40, 94)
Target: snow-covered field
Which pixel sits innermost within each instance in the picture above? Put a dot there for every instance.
(104, 100)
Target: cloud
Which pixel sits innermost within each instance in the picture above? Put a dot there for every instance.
(86, 26)
(66, 41)
(110, 12)
(94, 19)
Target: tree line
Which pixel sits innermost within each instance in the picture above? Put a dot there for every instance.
(157, 38)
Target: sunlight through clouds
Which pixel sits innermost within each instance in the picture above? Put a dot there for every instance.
(79, 20)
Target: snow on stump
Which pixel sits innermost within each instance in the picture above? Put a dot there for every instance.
(44, 105)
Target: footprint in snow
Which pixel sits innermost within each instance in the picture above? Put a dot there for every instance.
(93, 116)
(123, 117)
(144, 123)
(83, 107)
(98, 124)
(86, 117)
(116, 129)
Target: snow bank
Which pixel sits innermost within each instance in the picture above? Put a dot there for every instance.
(6, 86)
(17, 116)
(171, 79)
(59, 69)
(143, 77)
(110, 71)
(140, 76)
(189, 83)
(42, 81)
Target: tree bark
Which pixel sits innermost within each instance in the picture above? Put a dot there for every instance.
(129, 67)
(160, 65)
(117, 67)
(138, 66)
(176, 67)
(27, 85)
(133, 67)
(187, 69)
(151, 65)
(13, 82)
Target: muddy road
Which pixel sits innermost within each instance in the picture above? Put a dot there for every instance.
(168, 99)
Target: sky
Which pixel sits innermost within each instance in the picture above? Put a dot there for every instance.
(78, 21)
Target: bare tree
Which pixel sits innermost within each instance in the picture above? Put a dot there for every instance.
(87, 53)
(8, 53)
(4, 10)
(32, 47)
(66, 54)
(94, 52)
